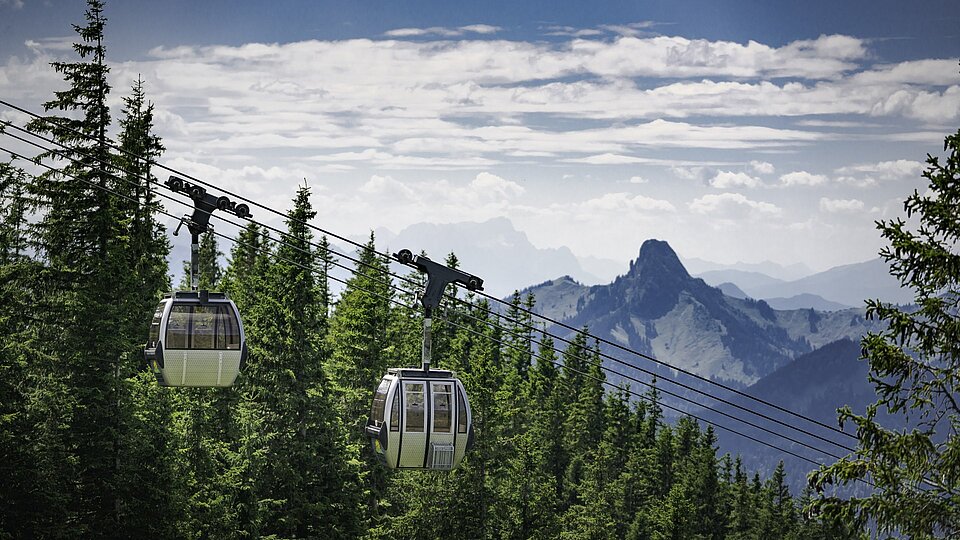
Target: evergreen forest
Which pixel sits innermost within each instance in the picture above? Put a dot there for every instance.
(91, 445)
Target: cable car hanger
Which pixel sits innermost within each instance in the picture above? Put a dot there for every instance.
(196, 337)
(204, 205)
(438, 277)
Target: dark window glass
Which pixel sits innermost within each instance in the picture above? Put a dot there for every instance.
(178, 327)
(395, 412)
(230, 333)
(155, 324)
(414, 397)
(461, 413)
(442, 396)
(202, 327)
(380, 401)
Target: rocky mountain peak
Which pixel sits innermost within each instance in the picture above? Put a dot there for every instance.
(657, 258)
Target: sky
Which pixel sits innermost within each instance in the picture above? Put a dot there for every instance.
(734, 130)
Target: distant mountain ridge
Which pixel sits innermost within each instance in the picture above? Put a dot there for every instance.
(657, 308)
(847, 285)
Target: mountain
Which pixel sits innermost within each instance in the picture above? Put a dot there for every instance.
(658, 309)
(849, 284)
(493, 250)
(698, 267)
(804, 301)
(731, 290)
(745, 280)
(813, 385)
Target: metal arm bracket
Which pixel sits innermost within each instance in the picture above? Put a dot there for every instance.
(438, 277)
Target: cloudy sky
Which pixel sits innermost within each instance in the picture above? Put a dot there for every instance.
(736, 131)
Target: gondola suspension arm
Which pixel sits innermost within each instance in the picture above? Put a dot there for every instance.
(438, 277)
(204, 204)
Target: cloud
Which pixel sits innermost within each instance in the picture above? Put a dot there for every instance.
(618, 207)
(608, 159)
(727, 179)
(802, 178)
(732, 206)
(15, 4)
(630, 29)
(689, 173)
(762, 167)
(483, 29)
(388, 187)
(638, 180)
(835, 206)
(491, 185)
(886, 170)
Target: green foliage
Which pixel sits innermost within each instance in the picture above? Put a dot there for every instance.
(914, 365)
(91, 446)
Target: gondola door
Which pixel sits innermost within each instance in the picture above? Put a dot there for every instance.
(413, 444)
(442, 448)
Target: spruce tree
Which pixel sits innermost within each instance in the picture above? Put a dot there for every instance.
(913, 365)
(357, 341)
(147, 486)
(303, 485)
(80, 240)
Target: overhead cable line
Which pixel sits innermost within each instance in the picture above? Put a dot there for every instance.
(452, 323)
(531, 338)
(487, 322)
(503, 302)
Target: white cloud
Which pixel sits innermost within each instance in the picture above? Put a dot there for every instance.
(727, 179)
(624, 202)
(802, 178)
(491, 185)
(388, 187)
(732, 206)
(927, 72)
(688, 173)
(630, 29)
(614, 208)
(15, 4)
(835, 206)
(441, 31)
(886, 170)
(762, 167)
(638, 180)
(608, 159)
(858, 181)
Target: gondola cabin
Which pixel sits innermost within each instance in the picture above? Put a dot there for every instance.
(196, 339)
(420, 419)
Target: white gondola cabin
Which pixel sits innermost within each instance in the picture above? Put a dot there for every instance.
(196, 339)
(420, 419)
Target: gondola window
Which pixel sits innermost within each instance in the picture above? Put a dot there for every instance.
(415, 402)
(442, 392)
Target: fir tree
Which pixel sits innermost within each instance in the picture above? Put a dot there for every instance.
(304, 489)
(357, 339)
(81, 241)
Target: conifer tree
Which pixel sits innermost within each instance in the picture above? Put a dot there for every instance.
(913, 365)
(80, 239)
(147, 486)
(357, 340)
(303, 485)
(18, 352)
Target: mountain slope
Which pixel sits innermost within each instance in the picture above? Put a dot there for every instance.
(814, 385)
